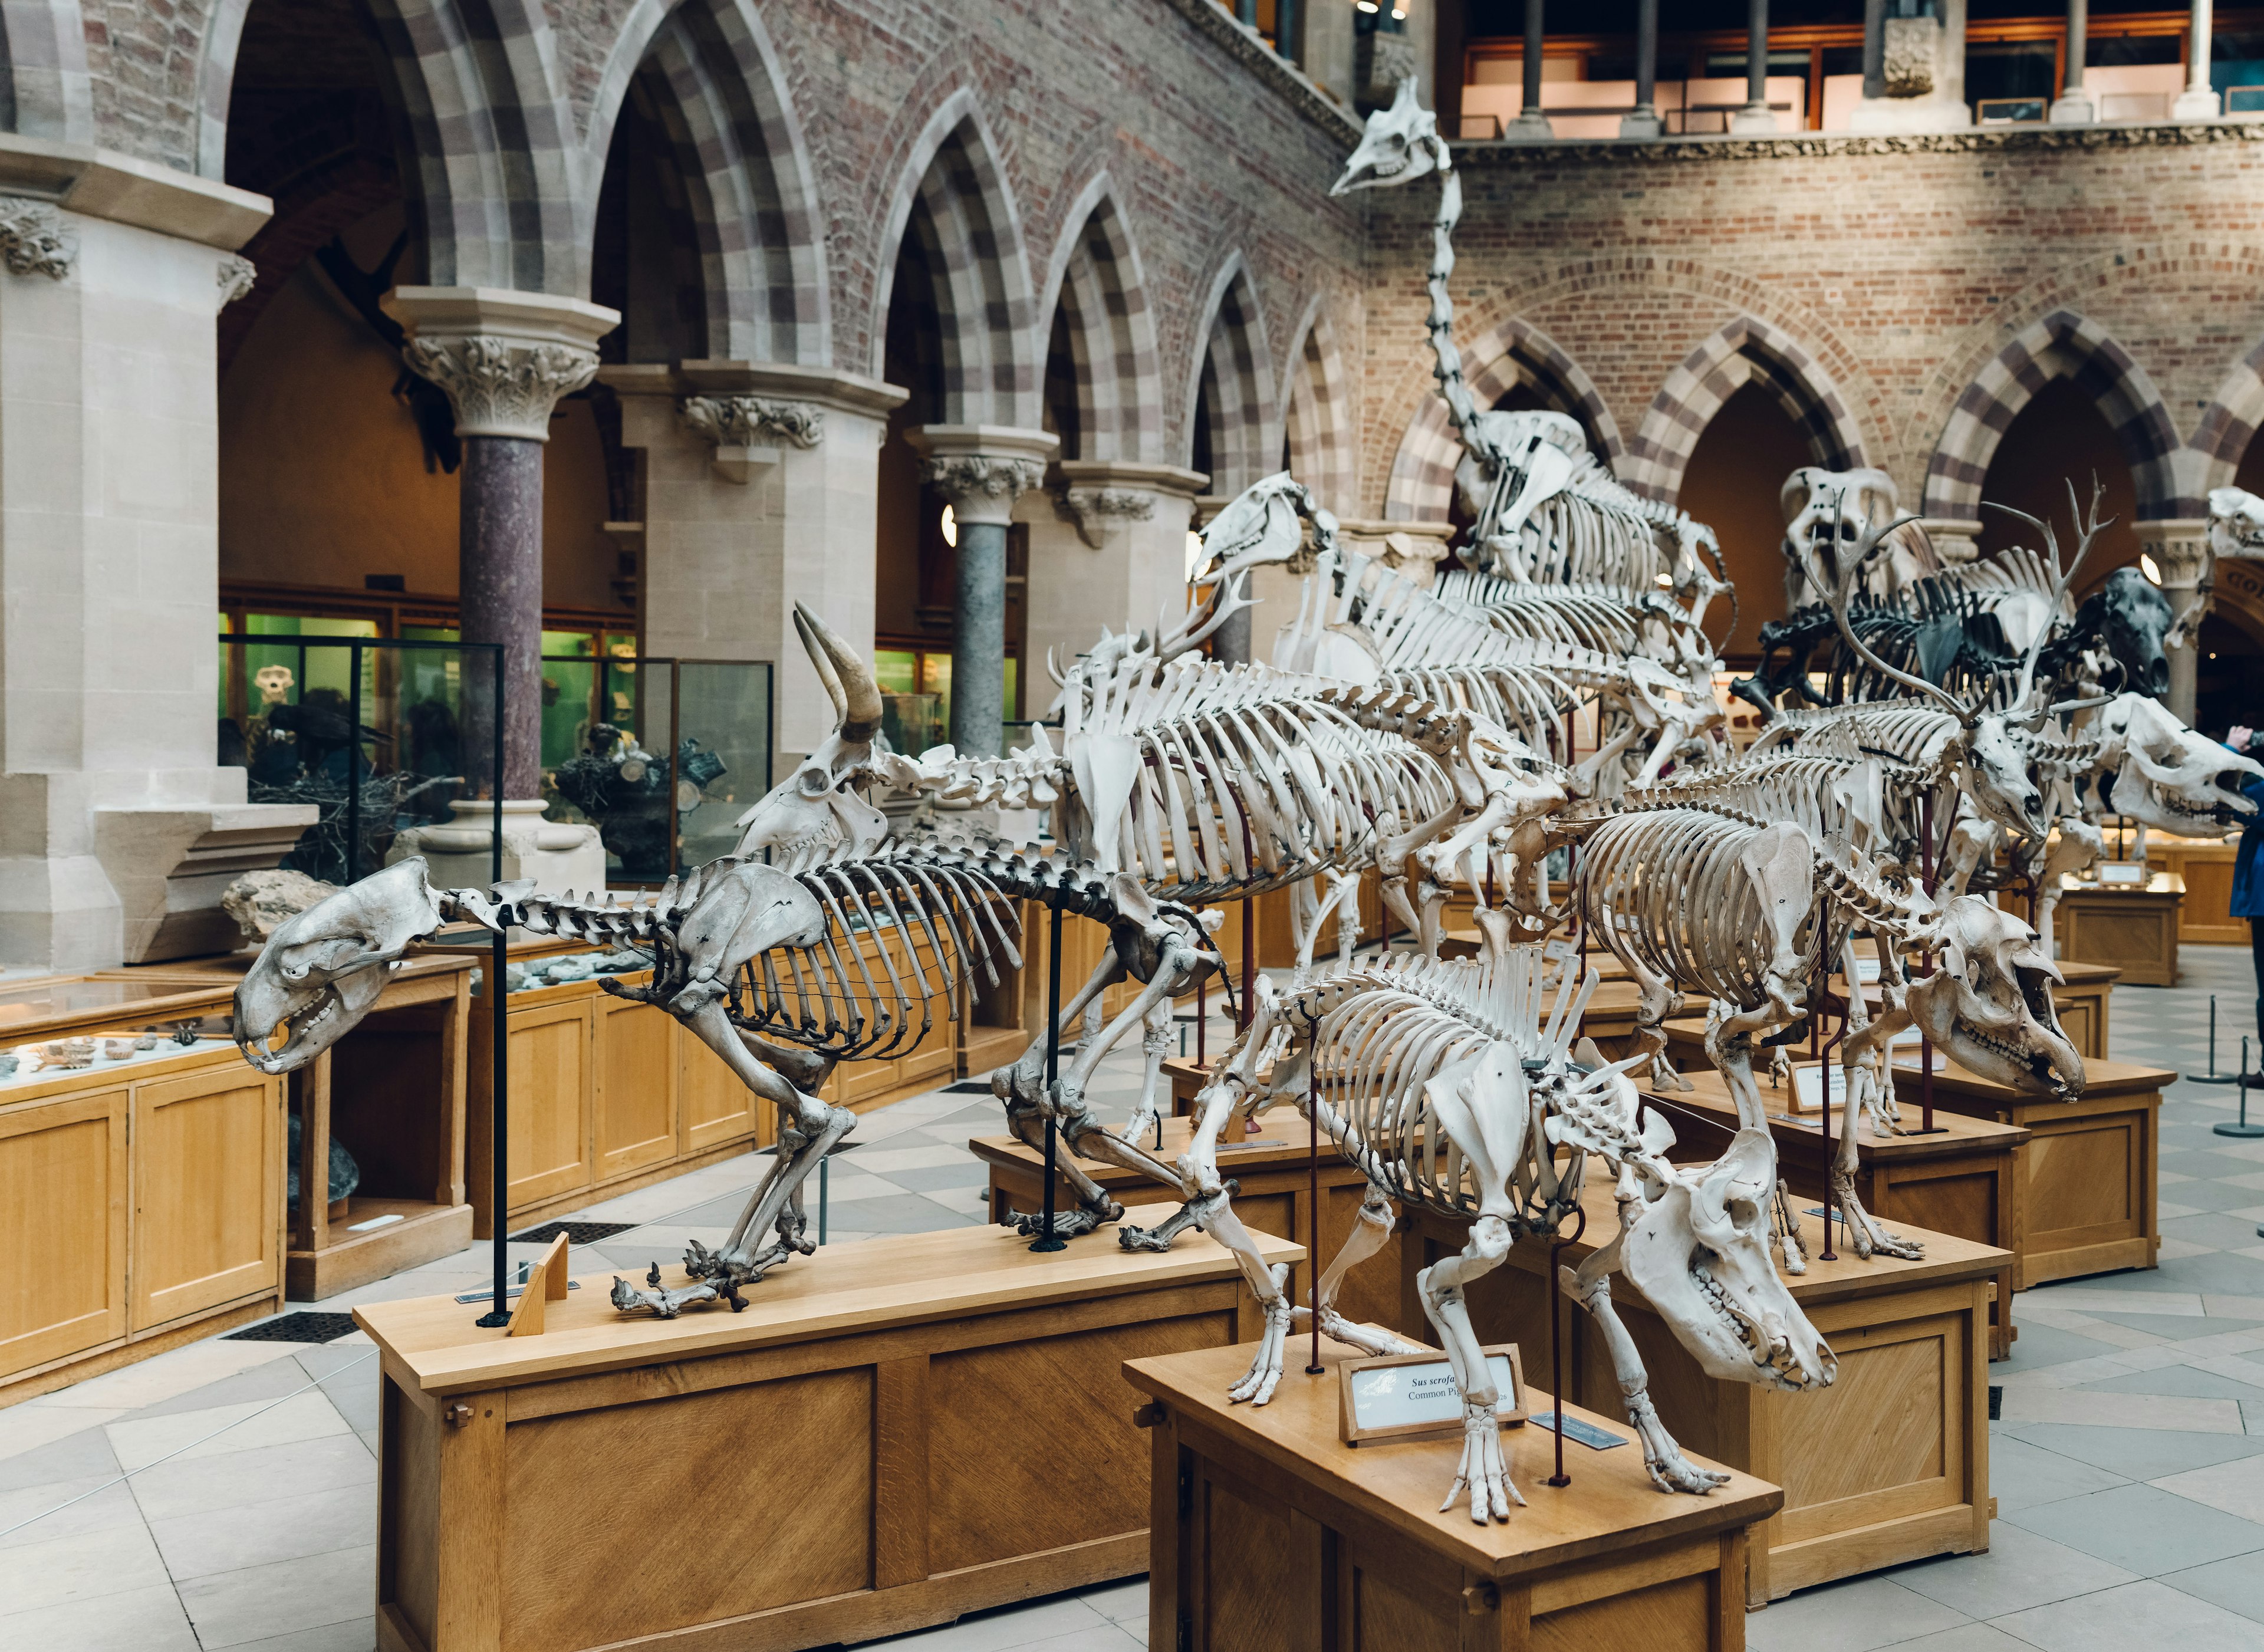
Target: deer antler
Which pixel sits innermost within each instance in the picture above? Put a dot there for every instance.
(1864, 547)
(2088, 532)
(1225, 601)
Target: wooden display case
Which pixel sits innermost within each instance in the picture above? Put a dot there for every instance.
(2205, 865)
(1268, 1530)
(882, 1441)
(2133, 928)
(2084, 1183)
(140, 1206)
(1887, 1465)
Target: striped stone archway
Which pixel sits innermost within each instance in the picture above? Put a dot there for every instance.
(1744, 350)
(1097, 288)
(1233, 383)
(1316, 413)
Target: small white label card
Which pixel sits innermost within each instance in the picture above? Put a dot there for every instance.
(2126, 871)
(1809, 1087)
(1395, 1395)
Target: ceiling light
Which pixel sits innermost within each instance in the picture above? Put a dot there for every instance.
(950, 528)
(2146, 567)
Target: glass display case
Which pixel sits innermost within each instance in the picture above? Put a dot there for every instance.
(662, 754)
(378, 734)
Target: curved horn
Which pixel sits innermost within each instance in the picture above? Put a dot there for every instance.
(860, 701)
(1864, 546)
(817, 660)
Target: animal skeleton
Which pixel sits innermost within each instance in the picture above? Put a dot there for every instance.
(1824, 510)
(1439, 1083)
(2235, 529)
(707, 932)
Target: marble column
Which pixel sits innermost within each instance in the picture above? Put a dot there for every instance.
(757, 476)
(1107, 549)
(2180, 547)
(504, 359)
(1874, 49)
(2198, 101)
(2073, 106)
(1642, 121)
(1755, 117)
(1531, 124)
(981, 470)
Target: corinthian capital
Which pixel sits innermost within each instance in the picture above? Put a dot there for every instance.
(504, 358)
(982, 469)
(754, 421)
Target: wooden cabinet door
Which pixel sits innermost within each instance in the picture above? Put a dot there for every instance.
(551, 1086)
(208, 1192)
(712, 1106)
(62, 1227)
(635, 1101)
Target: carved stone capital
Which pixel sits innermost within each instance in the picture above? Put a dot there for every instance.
(34, 240)
(237, 276)
(504, 358)
(2180, 547)
(982, 469)
(1955, 540)
(753, 421)
(1092, 508)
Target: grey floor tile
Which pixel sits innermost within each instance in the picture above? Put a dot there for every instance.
(1967, 1637)
(270, 1381)
(2206, 1193)
(2040, 1345)
(1855, 1616)
(1127, 1598)
(2225, 1232)
(355, 1634)
(2236, 1585)
(199, 1485)
(2025, 1476)
(147, 1618)
(1108, 1637)
(2132, 1453)
(259, 1533)
(77, 1456)
(1007, 1629)
(2168, 1327)
(2021, 1571)
(259, 1603)
(2149, 1613)
(2143, 1529)
(80, 1567)
(2181, 1379)
(69, 1508)
(967, 1174)
(913, 1213)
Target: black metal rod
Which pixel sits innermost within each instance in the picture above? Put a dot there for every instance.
(499, 1149)
(1313, 1194)
(1046, 1240)
(353, 764)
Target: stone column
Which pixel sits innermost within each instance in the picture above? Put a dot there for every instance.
(757, 476)
(118, 829)
(1921, 77)
(505, 358)
(1956, 539)
(1952, 63)
(981, 469)
(2073, 106)
(2198, 100)
(1108, 547)
(2179, 547)
(1642, 121)
(1754, 118)
(1874, 50)
(1532, 126)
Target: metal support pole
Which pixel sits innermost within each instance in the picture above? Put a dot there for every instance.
(1046, 1239)
(353, 764)
(1314, 1368)
(1874, 49)
(499, 1133)
(1556, 1244)
(2242, 1129)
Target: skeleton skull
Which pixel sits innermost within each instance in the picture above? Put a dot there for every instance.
(2167, 774)
(815, 816)
(2134, 617)
(1989, 1004)
(274, 684)
(2236, 523)
(1698, 1250)
(320, 971)
(1400, 144)
(1825, 515)
(1996, 779)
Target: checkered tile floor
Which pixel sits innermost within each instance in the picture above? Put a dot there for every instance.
(2129, 1508)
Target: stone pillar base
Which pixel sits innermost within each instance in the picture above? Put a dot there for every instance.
(2194, 103)
(1530, 126)
(171, 865)
(2074, 109)
(1754, 120)
(562, 859)
(1909, 114)
(1642, 123)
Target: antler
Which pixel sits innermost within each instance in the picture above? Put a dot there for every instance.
(2062, 580)
(1864, 547)
(1225, 601)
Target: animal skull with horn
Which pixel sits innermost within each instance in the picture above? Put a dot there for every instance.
(818, 816)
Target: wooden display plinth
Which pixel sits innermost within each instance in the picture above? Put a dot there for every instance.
(1889, 1464)
(1267, 1531)
(2082, 1002)
(893, 1433)
(2206, 866)
(140, 1206)
(1960, 1180)
(2134, 928)
(1272, 1195)
(2083, 1198)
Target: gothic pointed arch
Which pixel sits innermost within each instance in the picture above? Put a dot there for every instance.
(1104, 335)
(1317, 424)
(45, 90)
(1744, 349)
(2061, 345)
(1231, 431)
(1511, 359)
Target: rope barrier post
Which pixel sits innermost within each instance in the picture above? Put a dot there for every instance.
(1556, 1245)
(1047, 1240)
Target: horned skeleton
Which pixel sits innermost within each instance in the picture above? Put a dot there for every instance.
(1439, 1081)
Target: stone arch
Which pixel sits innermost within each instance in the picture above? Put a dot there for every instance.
(476, 86)
(2060, 345)
(953, 204)
(43, 82)
(1742, 350)
(1096, 284)
(2227, 426)
(721, 100)
(1317, 412)
(1511, 353)
(1232, 390)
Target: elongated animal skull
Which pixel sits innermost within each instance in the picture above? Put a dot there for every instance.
(816, 815)
(2134, 618)
(1400, 144)
(1989, 1003)
(2236, 523)
(1699, 1252)
(1825, 513)
(2174, 778)
(322, 970)
(1998, 783)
